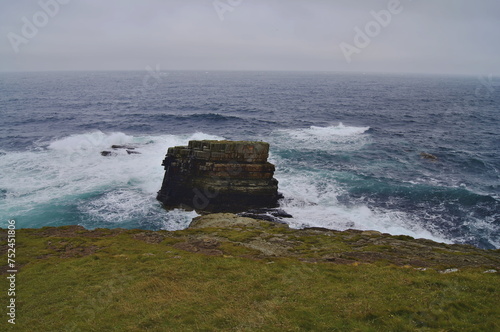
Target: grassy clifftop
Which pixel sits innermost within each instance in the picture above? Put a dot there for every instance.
(228, 273)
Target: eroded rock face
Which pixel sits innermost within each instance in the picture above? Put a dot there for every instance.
(219, 176)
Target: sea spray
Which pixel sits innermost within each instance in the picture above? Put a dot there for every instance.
(68, 181)
(348, 148)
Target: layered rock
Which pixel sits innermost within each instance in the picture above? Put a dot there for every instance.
(219, 176)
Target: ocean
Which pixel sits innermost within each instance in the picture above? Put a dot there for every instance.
(347, 147)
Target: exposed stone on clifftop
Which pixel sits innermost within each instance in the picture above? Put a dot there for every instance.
(340, 247)
(232, 235)
(219, 176)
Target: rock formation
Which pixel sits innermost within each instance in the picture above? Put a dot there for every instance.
(219, 176)
(129, 149)
(428, 156)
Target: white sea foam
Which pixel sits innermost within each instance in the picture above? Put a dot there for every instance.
(311, 195)
(113, 191)
(483, 225)
(327, 132)
(312, 200)
(338, 137)
(72, 169)
(120, 206)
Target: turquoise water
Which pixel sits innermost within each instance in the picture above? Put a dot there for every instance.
(347, 147)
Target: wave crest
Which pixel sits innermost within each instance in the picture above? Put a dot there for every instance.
(338, 137)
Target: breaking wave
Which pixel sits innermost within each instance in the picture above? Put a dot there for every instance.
(58, 180)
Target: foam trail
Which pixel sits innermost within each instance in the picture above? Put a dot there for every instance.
(311, 194)
(338, 137)
(312, 200)
(71, 171)
(117, 208)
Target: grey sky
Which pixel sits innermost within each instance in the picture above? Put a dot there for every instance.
(425, 36)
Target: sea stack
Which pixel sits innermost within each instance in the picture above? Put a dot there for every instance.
(219, 176)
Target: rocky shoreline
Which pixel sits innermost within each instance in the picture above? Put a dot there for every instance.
(261, 239)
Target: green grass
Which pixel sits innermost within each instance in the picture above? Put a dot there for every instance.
(130, 285)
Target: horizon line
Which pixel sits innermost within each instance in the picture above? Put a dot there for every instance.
(253, 70)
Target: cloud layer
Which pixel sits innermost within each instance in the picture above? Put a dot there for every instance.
(447, 36)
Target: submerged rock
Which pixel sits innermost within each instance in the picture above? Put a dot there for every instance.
(127, 147)
(219, 176)
(108, 154)
(428, 156)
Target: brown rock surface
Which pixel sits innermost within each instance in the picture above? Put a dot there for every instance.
(219, 176)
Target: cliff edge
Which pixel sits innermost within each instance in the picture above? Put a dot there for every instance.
(231, 273)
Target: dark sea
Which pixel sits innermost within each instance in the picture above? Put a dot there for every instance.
(347, 147)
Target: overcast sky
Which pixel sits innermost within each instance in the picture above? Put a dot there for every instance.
(419, 36)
